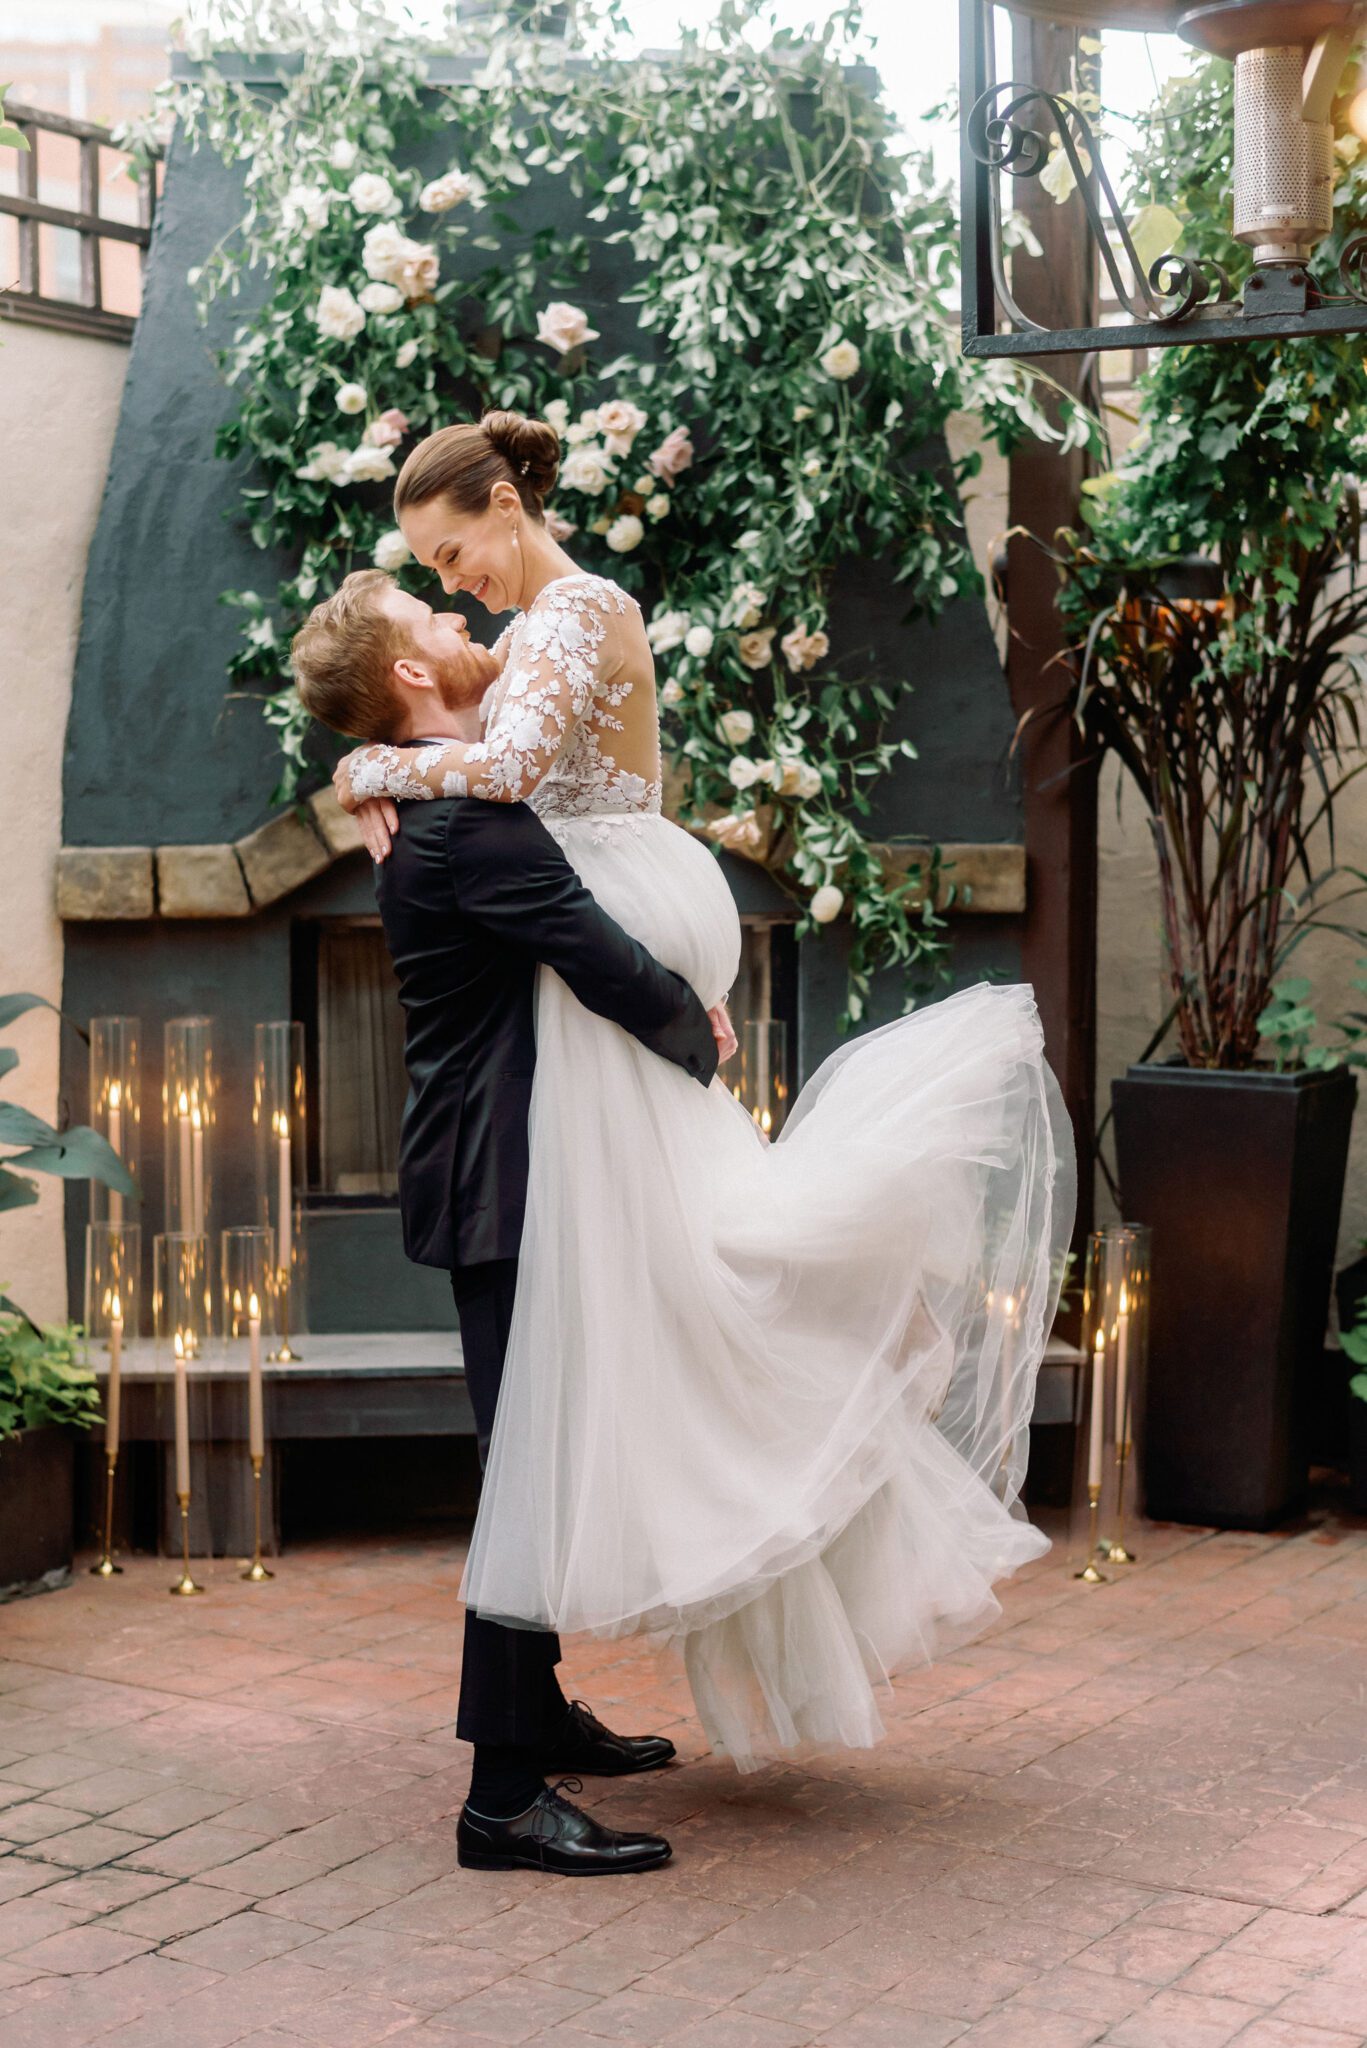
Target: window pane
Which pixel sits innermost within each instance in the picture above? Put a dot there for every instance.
(361, 1079)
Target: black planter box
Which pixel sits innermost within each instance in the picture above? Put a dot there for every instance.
(37, 1519)
(1240, 1178)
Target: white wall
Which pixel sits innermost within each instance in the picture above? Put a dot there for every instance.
(59, 402)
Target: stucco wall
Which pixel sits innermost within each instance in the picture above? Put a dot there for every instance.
(59, 402)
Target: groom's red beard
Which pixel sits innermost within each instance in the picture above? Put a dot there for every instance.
(462, 679)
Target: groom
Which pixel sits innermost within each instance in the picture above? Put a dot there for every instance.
(473, 896)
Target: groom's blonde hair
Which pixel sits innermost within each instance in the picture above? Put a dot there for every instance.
(343, 658)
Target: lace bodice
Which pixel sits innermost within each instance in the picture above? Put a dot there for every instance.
(567, 728)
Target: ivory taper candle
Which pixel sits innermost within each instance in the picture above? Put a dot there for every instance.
(1098, 1409)
(112, 1394)
(1122, 1366)
(186, 1220)
(182, 1421)
(116, 1141)
(282, 1127)
(256, 1408)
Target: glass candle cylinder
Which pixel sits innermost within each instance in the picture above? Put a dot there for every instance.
(1115, 1310)
(115, 1104)
(188, 1110)
(764, 1072)
(181, 1323)
(247, 1294)
(113, 1287)
(278, 1115)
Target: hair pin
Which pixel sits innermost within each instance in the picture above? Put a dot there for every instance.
(525, 467)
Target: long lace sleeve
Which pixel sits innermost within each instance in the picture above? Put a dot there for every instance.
(555, 663)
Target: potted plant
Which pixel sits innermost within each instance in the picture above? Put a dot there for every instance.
(1214, 601)
(46, 1389)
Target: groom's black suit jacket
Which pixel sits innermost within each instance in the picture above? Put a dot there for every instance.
(473, 895)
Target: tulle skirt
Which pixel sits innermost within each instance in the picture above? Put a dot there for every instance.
(770, 1403)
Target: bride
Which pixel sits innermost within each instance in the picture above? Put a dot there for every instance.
(769, 1402)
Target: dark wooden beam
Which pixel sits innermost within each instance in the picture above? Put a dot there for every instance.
(1059, 946)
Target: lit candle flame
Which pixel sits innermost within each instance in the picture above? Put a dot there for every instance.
(115, 1095)
(180, 1346)
(253, 1308)
(1009, 1305)
(237, 1301)
(196, 1119)
(183, 1106)
(1124, 1300)
(1100, 1342)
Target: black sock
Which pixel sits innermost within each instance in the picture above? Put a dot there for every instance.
(557, 1706)
(503, 1781)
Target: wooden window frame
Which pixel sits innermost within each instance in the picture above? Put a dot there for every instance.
(24, 301)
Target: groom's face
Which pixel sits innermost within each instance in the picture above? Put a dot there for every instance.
(457, 667)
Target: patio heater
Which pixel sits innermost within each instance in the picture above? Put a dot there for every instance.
(1289, 57)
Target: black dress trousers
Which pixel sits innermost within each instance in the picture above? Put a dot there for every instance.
(508, 1692)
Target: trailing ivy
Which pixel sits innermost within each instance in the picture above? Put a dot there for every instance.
(792, 292)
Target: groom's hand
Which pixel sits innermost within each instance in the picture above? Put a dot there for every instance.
(378, 820)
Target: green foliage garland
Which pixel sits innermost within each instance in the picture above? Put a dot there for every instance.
(791, 298)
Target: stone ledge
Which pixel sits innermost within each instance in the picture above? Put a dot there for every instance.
(201, 881)
(104, 883)
(280, 857)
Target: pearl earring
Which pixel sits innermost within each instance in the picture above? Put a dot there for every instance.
(516, 542)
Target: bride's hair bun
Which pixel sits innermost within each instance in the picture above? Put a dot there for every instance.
(531, 449)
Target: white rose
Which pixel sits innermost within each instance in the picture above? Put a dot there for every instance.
(625, 533)
(382, 251)
(657, 505)
(601, 526)
(445, 192)
(809, 781)
(620, 422)
(802, 412)
(337, 314)
(367, 465)
(644, 483)
(342, 155)
(841, 361)
(563, 327)
(305, 206)
(813, 466)
(578, 432)
(698, 642)
(742, 772)
(391, 551)
(588, 470)
(351, 398)
(588, 419)
(326, 464)
(369, 192)
(666, 631)
(756, 650)
(407, 354)
(746, 608)
(380, 298)
(672, 693)
(737, 727)
(826, 904)
(556, 413)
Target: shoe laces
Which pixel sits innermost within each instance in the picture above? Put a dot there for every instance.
(550, 1804)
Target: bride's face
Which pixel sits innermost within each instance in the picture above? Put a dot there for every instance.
(470, 553)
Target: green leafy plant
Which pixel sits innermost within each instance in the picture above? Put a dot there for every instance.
(10, 136)
(792, 282)
(1228, 688)
(1289, 1024)
(78, 1153)
(42, 1376)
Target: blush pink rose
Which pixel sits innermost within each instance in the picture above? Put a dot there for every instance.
(388, 430)
(673, 455)
(557, 527)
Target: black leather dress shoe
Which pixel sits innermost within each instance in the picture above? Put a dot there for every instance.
(556, 1836)
(583, 1744)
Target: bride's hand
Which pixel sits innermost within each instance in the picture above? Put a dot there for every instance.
(723, 1033)
(378, 820)
(341, 781)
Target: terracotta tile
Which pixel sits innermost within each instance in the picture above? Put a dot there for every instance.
(1176, 2019)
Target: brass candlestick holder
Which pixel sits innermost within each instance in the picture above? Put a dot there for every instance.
(1089, 1573)
(106, 1568)
(256, 1571)
(185, 1583)
(1115, 1551)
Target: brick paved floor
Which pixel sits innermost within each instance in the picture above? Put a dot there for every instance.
(1134, 1815)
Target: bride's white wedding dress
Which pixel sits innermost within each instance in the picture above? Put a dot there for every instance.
(769, 1401)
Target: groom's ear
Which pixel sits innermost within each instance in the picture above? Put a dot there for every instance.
(412, 674)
